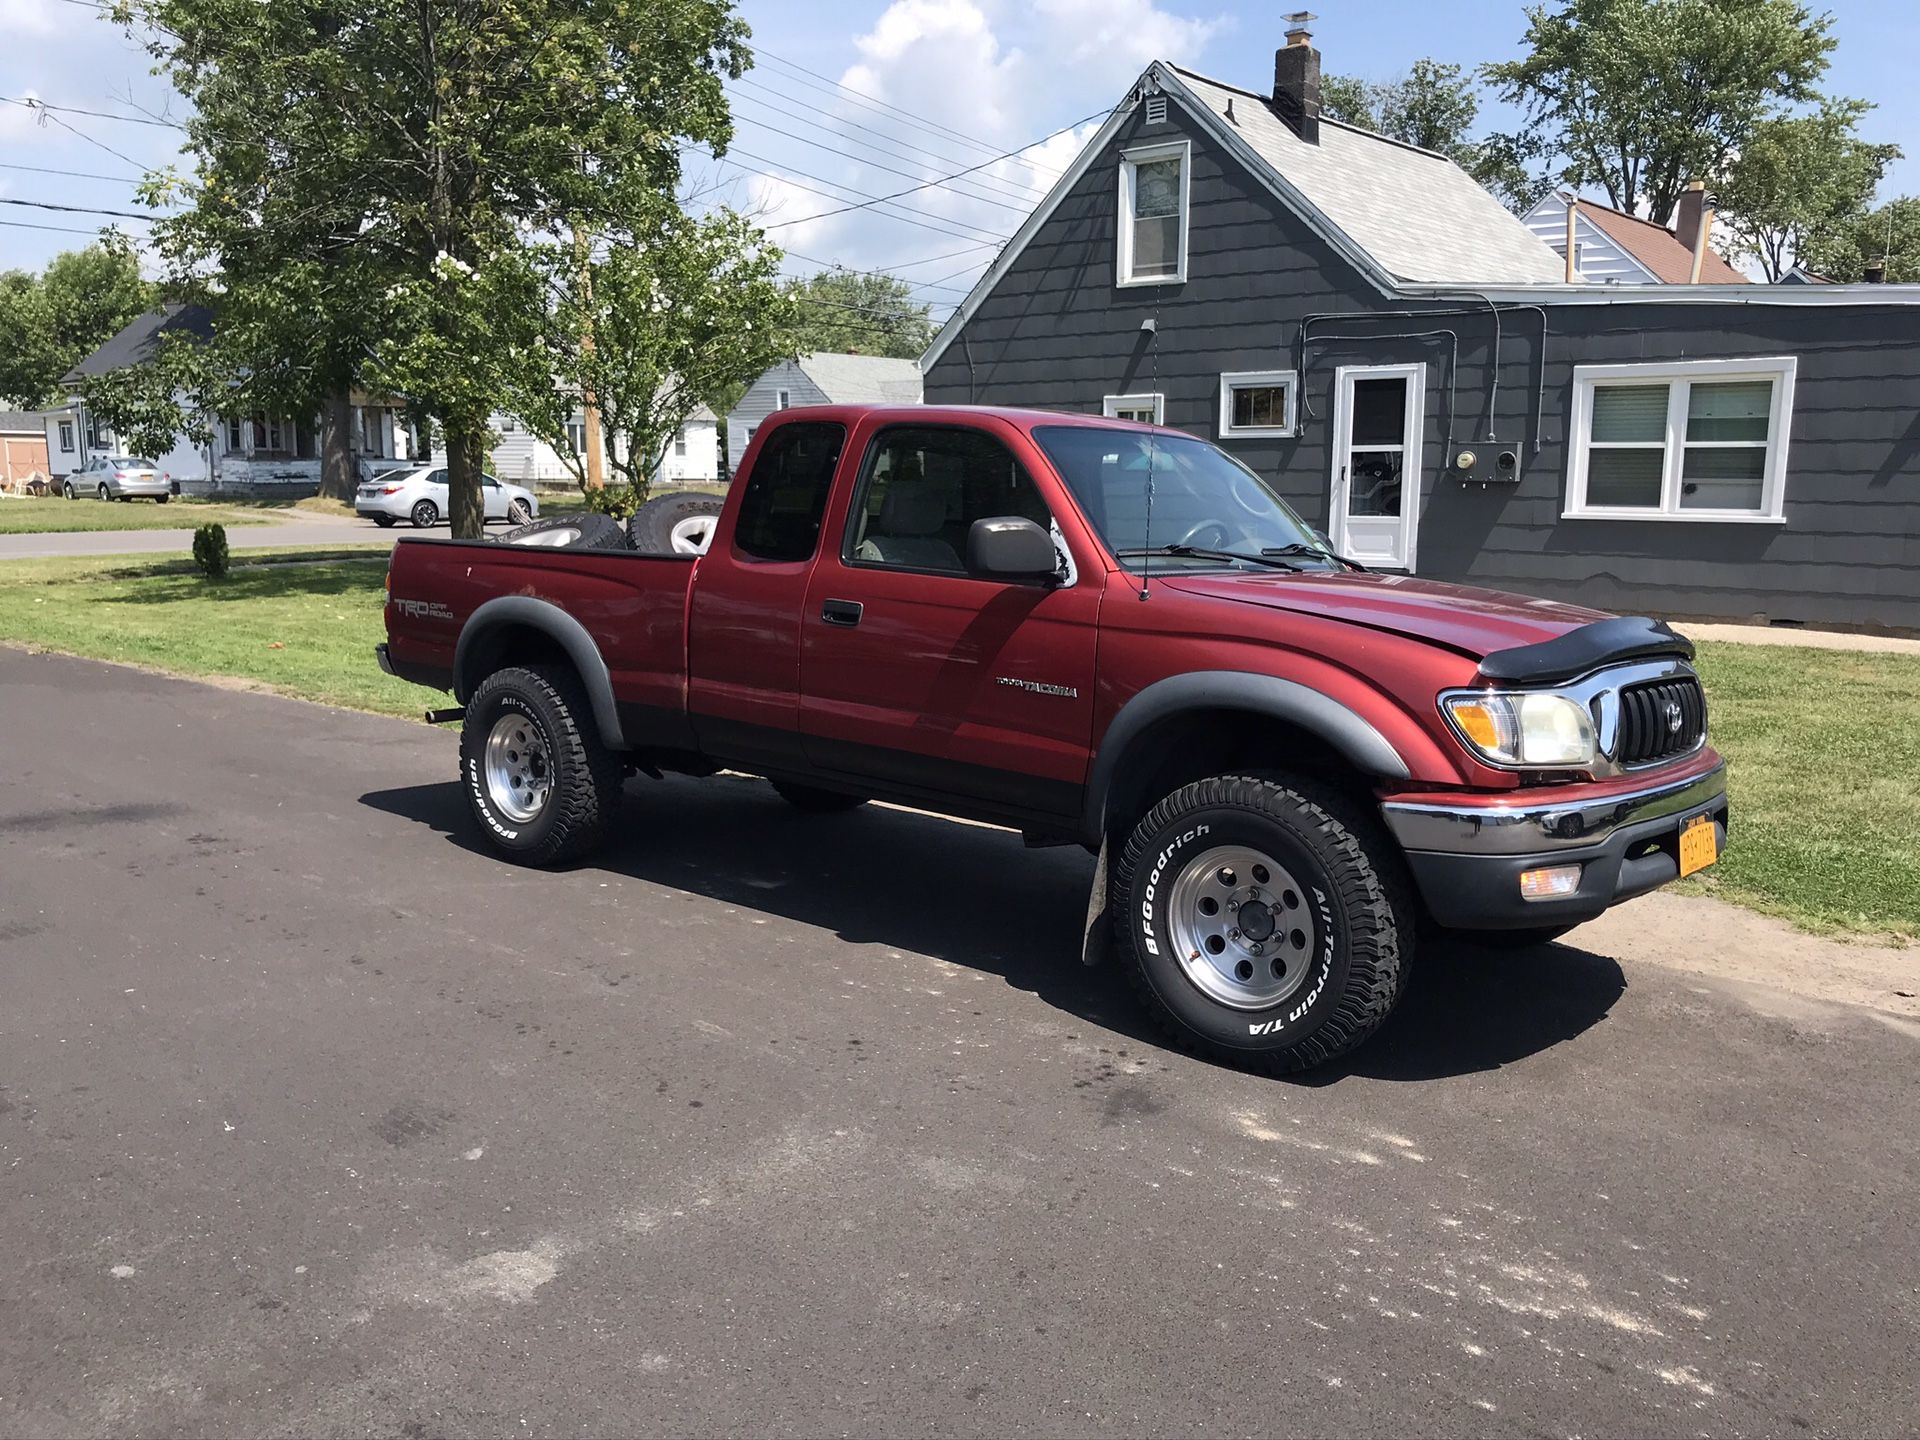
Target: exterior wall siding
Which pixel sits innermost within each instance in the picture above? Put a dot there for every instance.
(1056, 332)
(762, 399)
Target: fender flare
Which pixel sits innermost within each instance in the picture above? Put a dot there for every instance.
(564, 630)
(1348, 732)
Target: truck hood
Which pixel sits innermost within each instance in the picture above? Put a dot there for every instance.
(1473, 622)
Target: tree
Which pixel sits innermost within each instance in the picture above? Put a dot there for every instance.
(1641, 96)
(1434, 105)
(1889, 236)
(53, 321)
(871, 312)
(677, 311)
(1798, 177)
(389, 195)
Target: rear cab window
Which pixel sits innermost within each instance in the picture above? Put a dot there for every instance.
(786, 495)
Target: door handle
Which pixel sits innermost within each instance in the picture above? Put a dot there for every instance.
(841, 612)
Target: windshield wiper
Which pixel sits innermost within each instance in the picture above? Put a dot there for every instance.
(1269, 558)
(1300, 547)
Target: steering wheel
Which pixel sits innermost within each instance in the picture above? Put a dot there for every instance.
(1192, 537)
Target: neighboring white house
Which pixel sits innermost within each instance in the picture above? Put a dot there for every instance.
(821, 378)
(247, 453)
(1611, 247)
(523, 458)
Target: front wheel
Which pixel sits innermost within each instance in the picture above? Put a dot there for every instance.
(541, 782)
(424, 514)
(1265, 921)
(69, 491)
(518, 513)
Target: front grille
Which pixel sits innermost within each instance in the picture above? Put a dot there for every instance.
(1648, 727)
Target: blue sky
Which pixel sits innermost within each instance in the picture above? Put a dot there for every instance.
(956, 81)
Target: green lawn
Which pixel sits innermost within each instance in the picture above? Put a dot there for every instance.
(1824, 744)
(40, 517)
(303, 623)
(1824, 750)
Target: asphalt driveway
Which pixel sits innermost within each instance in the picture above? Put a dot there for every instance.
(315, 1120)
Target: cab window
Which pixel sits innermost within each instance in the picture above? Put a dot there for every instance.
(786, 495)
(921, 489)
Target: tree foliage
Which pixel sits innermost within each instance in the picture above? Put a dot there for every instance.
(851, 310)
(390, 195)
(1889, 235)
(1640, 96)
(51, 321)
(1797, 178)
(1434, 105)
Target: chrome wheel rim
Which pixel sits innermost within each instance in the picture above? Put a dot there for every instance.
(1241, 927)
(518, 773)
(692, 535)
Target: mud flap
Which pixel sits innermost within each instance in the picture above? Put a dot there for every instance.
(1097, 938)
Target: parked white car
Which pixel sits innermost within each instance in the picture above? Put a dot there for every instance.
(119, 477)
(418, 493)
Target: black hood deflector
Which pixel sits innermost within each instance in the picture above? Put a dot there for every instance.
(1569, 656)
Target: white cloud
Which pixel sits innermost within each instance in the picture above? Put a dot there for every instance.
(1123, 34)
(27, 17)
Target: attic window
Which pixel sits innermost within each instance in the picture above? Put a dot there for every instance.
(1151, 237)
(1156, 110)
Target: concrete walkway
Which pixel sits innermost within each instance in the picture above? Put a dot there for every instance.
(1808, 639)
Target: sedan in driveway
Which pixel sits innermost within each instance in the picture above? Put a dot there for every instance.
(418, 494)
(119, 477)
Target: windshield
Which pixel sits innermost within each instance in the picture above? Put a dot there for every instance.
(1202, 498)
(130, 462)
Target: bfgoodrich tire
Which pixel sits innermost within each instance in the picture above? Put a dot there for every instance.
(542, 785)
(1265, 922)
(588, 530)
(675, 525)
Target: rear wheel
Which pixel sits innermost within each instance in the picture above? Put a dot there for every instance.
(161, 499)
(589, 530)
(539, 779)
(1265, 921)
(105, 494)
(675, 525)
(816, 801)
(385, 522)
(424, 513)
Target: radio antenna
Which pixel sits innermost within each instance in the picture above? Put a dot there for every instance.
(1152, 327)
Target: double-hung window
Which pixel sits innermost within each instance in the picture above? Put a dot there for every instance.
(1152, 233)
(1257, 404)
(1682, 440)
(1148, 407)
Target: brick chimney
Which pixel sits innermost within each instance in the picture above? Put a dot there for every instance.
(1693, 223)
(1296, 79)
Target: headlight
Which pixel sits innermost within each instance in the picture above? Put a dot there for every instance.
(1524, 728)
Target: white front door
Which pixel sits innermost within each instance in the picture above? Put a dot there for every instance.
(1379, 421)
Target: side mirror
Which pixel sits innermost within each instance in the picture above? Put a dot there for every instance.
(1322, 539)
(1008, 547)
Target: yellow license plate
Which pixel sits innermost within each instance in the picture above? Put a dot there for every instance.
(1699, 844)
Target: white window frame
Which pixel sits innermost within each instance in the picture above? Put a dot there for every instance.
(783, 399)
(1678, 376)
(1258, 380)
(1123, 276)
(1112, 405)
(66, 437)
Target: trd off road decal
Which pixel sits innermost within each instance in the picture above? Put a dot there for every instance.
(1153, 884)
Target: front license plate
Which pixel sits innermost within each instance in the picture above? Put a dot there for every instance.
(1699, 844)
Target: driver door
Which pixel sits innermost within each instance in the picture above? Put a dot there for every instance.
(921, 677)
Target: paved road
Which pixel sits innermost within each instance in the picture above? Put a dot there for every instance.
(317, 1121)
(288, 528)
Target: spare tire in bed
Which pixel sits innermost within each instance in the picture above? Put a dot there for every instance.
(586, 530)
(675, 524)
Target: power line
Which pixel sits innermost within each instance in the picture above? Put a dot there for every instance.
(69, 174)
(78, 209)
(46, 115)
(893, 146)
(61, 229)
(1017, 208)
(882, 199)
(938, 224)
(35, 103)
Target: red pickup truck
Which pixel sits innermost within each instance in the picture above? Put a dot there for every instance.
(1097, 633)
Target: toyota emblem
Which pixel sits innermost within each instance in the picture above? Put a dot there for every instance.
(1675, 717)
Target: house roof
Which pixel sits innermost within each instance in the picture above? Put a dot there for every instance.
(1417, 214)
(136, 343)
(1656, 247)
(702, 413)
(863, 379)
(22, 422)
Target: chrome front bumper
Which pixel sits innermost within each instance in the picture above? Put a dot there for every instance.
(1537, 825)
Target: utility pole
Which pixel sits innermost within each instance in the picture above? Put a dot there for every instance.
(589, 411)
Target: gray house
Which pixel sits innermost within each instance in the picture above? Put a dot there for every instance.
(821, 378)
(1360, 323)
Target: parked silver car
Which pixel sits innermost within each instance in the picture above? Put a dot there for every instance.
(418, 493)
(119, 477)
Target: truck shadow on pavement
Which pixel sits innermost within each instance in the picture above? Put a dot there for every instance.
(971, 895)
